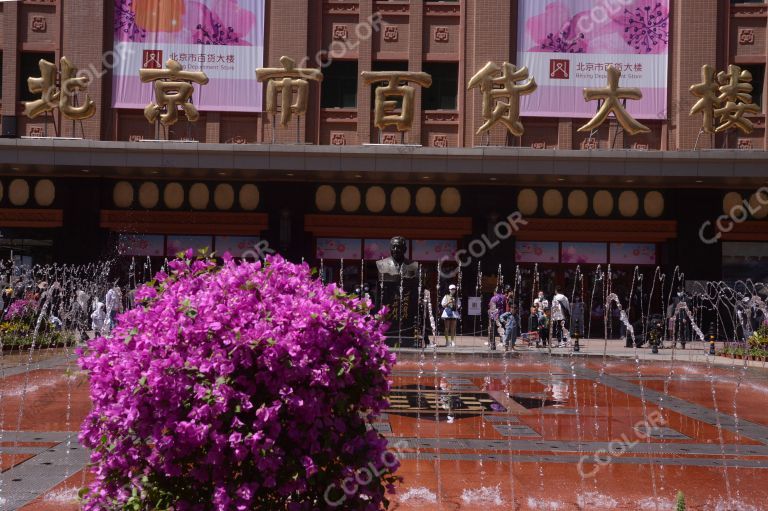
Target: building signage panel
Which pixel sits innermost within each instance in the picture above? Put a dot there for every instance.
(222, 38)
(569, 44)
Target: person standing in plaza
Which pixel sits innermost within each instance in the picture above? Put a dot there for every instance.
(577, 317)
(511, 328)
(496, 307)
(450, 315)
(560, 312)
(541, 303)
(114, 305)
(544, 324)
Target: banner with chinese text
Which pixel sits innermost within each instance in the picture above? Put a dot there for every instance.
(569, 44)
(223, 38)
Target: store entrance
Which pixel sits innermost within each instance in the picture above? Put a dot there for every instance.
(26, 252)
(591, 285)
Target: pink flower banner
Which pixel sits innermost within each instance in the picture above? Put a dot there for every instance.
(569, 44)
(537, 252)
(633, 253)
(223, 38)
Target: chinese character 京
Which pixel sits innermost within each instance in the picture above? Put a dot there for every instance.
(394, 89)
(173, 89)
(288, 81)
(52, 96)
(499, 83)
(611, 95)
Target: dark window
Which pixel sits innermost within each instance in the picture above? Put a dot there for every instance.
(388, 65)
(445, 86)
(30, 67)
(758, 81)
(340, 85)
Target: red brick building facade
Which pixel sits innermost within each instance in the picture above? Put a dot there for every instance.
(232, 181)
(459, 35)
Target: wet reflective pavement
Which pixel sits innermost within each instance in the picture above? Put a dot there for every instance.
(561, 433)
(531, 433)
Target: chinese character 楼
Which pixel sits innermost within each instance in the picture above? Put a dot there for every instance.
(736, 100)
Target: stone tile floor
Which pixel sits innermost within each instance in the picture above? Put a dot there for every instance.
(527, 432)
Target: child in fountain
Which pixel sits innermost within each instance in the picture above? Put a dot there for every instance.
(544, 322)
(98, 318)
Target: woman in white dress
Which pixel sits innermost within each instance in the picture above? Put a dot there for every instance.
(450, 315)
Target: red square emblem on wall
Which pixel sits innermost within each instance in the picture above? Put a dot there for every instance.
(560, 69)
(152, 59)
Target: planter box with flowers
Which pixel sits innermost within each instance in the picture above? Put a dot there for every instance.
(17, 329)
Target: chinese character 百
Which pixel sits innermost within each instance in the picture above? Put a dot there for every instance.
(394, 89)
(611, 96)
(489, 79)
(285, 81)
(173, 89)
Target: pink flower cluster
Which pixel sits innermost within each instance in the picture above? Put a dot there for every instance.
(603, 27)
(21, 310)
(236, 388)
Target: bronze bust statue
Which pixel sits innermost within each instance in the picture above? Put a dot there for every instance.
(391, 267)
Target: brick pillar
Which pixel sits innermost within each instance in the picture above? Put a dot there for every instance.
(288, 35)
(212, 128)
(85, 50)
(694, 41)
(364, 63)
(415, 59)
(615, 131)
(489, 29)
(10, 38)
(565, 134)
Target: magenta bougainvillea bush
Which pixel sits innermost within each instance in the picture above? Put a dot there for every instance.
(245, 386)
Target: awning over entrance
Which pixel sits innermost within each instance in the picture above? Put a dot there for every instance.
(31, 218)
(184, 222)
(656, 231)
(360, 226)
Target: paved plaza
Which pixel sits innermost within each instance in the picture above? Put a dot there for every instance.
(551, 433)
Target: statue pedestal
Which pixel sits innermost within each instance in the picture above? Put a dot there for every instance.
(402, 314)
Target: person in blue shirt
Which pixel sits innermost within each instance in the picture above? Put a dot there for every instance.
(511, 327)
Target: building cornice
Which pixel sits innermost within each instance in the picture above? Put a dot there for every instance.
(196, 160)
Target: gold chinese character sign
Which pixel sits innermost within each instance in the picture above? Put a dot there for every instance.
(612, 96)
(499, 83)
(384, 107)
(173, 89)
(63, 97)
(725, 96)
(285, 81)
